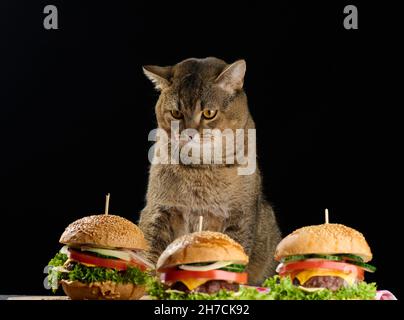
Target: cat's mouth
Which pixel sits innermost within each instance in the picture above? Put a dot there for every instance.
(193, 140)
(206, 149)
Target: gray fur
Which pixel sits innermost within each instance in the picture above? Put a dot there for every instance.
(178, 194)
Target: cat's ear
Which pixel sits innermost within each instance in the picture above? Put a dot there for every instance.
(232, 77)
(160, 76)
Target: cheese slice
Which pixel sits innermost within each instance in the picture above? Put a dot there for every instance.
(88, 264)
(305, 275)
(193, 283)
(84, 264)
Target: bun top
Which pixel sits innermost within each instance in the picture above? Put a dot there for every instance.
(104, 230)
(327, 238)
(204, 246)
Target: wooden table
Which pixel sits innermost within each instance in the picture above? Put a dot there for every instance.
(22, 297)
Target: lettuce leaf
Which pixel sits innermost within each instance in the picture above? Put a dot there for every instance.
(58, 260)
(234, 267)
(98, 274)
(284, 289)
(280, 288)
(157, 291)
(86, 274)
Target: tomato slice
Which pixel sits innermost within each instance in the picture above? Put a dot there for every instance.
(293, 267)
(176, 275)
(117, 264)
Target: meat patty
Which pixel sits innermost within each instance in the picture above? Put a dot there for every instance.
(211, 286)
(329, 282)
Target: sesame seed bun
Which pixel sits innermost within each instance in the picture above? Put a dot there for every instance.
(108, 290)
(205, 246)
(106, 230)
(324, 239)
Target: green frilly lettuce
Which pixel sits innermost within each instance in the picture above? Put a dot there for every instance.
(279, 288)
(86, 274)
(283, 289)
(157, 291)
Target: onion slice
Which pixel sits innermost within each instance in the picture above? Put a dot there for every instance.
(279, 267)
(310, 289)
(138, 257)
(213, 266)
(60, 269)
(123, 254)
(65, 250)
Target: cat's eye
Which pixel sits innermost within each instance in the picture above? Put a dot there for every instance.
(209, 114)
(176, 114)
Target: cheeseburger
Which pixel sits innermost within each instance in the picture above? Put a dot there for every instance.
(326, 261)
(101, 259)
(203, 265)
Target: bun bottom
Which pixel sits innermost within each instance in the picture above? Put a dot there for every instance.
(108, 290)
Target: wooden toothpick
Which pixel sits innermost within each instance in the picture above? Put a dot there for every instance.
(107, 204)
(200, 223)
(326, 216)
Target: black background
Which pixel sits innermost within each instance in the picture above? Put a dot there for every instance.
(76, 109)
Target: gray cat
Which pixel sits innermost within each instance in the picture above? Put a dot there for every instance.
(207, 94)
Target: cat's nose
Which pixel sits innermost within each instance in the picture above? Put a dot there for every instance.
(190, 134)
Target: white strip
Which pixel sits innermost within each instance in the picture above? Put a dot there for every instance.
(140, 258)
(279, 267)
(213, 266)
